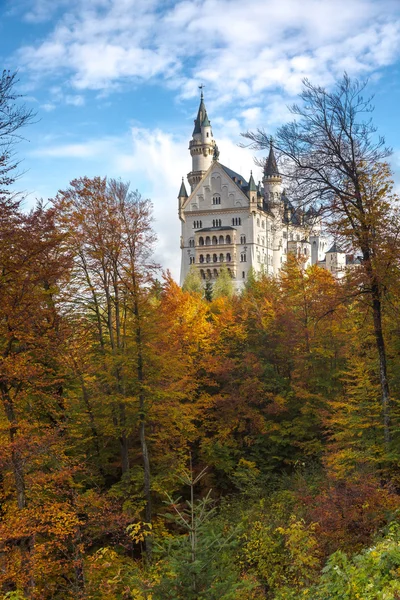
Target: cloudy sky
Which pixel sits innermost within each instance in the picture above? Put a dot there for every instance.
(115, 82)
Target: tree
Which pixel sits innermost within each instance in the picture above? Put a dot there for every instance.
(109, 232)
(331, 155)
(223, 286)
(193, 282)
(13, 117)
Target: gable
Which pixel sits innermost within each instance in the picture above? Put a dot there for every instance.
(216, 191)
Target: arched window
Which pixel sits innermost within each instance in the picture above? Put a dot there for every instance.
(201, 241)
(208, 258)
(221, 258)
(201, 258)
(216, 200)
(214, 241)
(208, 274)
(239, 221)
(208, 241)
(228, 239)
(215, 258)
(221, 239)
(215, 273)
(243, 258)
(201, 225)
(233, 221)
(230, 272)
(202, 274)
(242, 239)
(228, 257)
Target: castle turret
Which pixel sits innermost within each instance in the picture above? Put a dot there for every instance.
(252, 190)
(201, 146)
(272, 180)
(181, 198)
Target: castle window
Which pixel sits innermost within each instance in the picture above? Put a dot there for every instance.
(221, 258)
(213, 222)
(201, 241)
(201, 258)
(215, 258)
(202, 274)
(214, 240)
(207, 133)
(208, 241)
(208, 258)
(201, 224)
(228, 257)
(208, 274)
(221, 239)
(228, 239)
(242, 239)
(216, 200)
(215, 273)
(243, 274)
(243, 258)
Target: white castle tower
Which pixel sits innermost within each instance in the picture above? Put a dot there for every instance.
(202, 146)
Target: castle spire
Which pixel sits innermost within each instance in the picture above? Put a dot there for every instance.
(182, 191)
(271, 168)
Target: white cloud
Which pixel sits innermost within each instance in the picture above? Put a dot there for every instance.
(48, 107)
(75, 100)
(240, 50)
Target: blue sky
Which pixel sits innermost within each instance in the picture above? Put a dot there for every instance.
(115, 82)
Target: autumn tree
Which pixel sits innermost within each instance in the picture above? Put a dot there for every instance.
(331, 155)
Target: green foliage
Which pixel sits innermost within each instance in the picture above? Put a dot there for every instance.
(371, 575)
(223, 287)
(193, 283)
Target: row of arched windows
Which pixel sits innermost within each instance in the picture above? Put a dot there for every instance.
(236, 221)
(217, 200)
(197, 225)
(214, 241)
(217, 222)
(215, 258)
(211, 274)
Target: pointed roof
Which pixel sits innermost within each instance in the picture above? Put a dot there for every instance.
(271, 168)
(206, 121)
(335, 248)
(182, 191)
(201, 114)
(252, 183)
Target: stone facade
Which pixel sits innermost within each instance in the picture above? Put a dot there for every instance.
(229, 220)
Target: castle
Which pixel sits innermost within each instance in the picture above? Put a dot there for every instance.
(228, 220)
